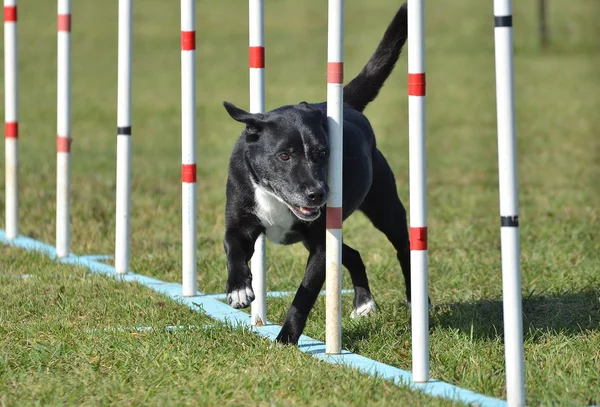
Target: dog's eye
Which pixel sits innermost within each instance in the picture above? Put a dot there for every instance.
(284, 156)
(322, 153)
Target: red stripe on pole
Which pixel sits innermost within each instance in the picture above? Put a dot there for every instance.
(188, 40)
(256, 57)
(416, 84)
(188, 173)
(11, 130)
(335, 72)
(418, 238)
(63, 144)
(10, 14)
(333, 218)
(64, 22)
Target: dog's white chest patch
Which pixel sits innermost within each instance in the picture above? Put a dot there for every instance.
(274, 215)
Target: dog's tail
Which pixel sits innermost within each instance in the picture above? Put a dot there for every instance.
(363, 89)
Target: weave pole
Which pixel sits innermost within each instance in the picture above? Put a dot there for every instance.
(509, 205)
(188, 147)
(11, 120)
(256, 53)
(123, 204)
(63, 131)
(335, 123)
(418, 191)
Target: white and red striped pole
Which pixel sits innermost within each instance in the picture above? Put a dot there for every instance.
(509, 205)
(335, 123)
(11, 119)
(188, 147)
(123, 204)
(257, 105)
(63, 130)
(418, 191)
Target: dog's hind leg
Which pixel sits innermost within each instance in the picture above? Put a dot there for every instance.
(387, 213)
(363, 300)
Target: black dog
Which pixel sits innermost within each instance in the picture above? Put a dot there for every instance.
(277, 186)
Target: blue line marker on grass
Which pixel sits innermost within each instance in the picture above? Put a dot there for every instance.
(220, 311)
(98, 257)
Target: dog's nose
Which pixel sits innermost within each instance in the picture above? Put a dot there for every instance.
(316, 194)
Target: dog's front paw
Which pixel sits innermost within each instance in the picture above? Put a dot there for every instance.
(365, 309)
(240, 297)
(286, 336)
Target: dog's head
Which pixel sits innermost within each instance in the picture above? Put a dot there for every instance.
(286, 154)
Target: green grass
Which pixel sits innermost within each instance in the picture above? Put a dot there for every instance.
(45, 354)
(49, 358)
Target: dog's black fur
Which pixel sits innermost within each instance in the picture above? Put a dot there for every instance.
(277, 185)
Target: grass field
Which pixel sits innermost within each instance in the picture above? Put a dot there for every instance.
(46, 354)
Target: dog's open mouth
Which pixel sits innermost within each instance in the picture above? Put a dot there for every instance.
(306, 213)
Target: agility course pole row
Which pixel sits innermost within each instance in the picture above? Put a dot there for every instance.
(11, 119)
(509, 205)
(188, 148)
(418, 190)
(335, 124)
(418, 220)
(256, 65)
(123, 204)
(63, 130)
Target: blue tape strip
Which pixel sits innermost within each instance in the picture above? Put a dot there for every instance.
(218, 310)
(28, 244)
(98, 257)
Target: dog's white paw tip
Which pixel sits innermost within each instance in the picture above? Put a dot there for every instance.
(240, 298)
(365, 309)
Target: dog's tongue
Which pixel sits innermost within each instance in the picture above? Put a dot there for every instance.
(306, 211)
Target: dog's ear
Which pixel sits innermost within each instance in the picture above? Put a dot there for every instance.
(254, 120)
(308, 107)
(322, 117)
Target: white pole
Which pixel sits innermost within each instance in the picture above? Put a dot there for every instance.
(509, 206)
(418, 191)
(335, 123)
(122, 240)
(11, 119)
(188, 147)
(63, 139)
(257, 105)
